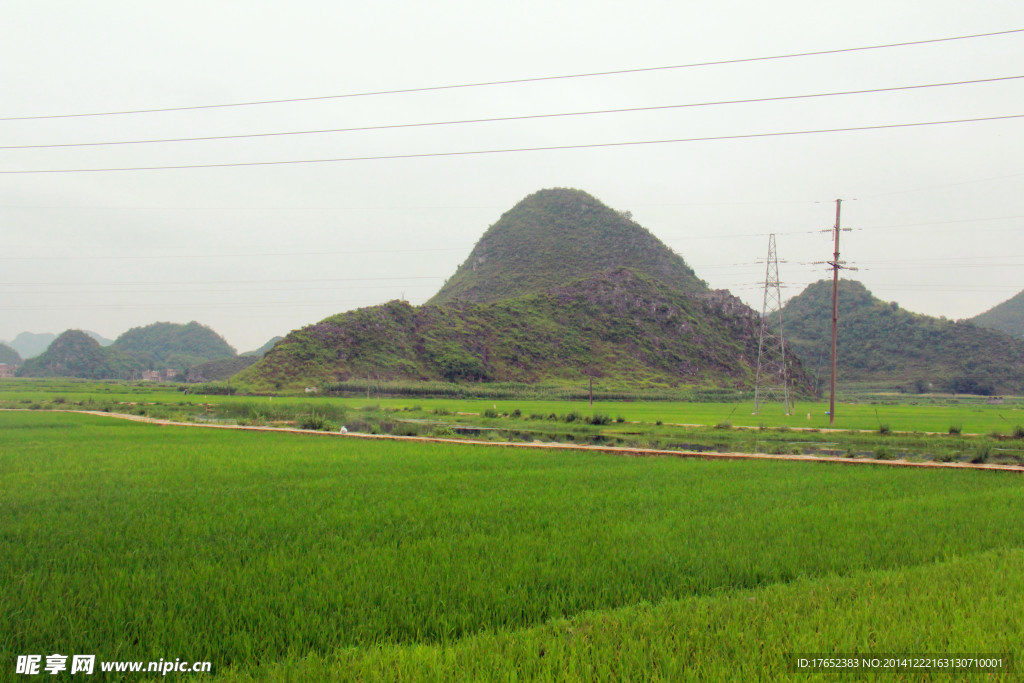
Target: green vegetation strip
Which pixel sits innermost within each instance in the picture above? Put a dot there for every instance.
(977, 432)
(969, 415)
(253, 549)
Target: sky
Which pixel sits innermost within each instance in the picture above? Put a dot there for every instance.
(255, 249)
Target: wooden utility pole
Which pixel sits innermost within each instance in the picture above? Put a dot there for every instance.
(835, 318)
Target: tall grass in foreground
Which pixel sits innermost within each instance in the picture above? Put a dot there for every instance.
(964, 605)
(140, 542)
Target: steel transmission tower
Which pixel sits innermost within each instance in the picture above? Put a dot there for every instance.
(772, 379)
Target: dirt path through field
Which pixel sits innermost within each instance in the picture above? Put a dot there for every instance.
(617, 450)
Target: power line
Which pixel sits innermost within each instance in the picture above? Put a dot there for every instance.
(918, 225)
(524, 117)
(239, 255)
(535, 79)
(944, 185)
(136, 257)
(425, 155)
(957, 288)
(191, 305)
(954, 260)
(947, 264)
(189, 288)
(55, 207)
(873, 227)
(311, 282)
(26, 207)
(224, 282)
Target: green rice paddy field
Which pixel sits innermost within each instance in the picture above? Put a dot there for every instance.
(298, 557)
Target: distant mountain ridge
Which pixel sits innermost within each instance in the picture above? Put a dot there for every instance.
(31, 344)
(1007, 317)
(260, 352)
(159, 346)
(75, 354)
(881, 343)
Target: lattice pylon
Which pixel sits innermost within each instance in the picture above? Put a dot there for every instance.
(772, 381)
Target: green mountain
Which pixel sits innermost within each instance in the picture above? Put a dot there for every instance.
(555, 237)
(882, 344)
(622, 326)
(560, 289)
(9, 356)
(171, 345)
(1007, 317)
(75, 354)
(154, 347)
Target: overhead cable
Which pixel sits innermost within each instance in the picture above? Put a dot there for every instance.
(502, 119)
(424, 155)
(514, 81)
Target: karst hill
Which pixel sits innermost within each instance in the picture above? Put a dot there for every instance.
(555, 237)
(886, 346)
(560, 289)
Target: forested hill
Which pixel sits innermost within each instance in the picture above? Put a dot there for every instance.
(1006, 317)
(621, 326)
(159, 346)
(559, 290)
(172, 345)
(9, 356)
(881, 343)
(76, 354)
(555, 237)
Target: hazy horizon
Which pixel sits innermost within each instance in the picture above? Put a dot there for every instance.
(270, 222)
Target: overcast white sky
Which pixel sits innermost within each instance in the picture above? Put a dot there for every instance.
(256, 251)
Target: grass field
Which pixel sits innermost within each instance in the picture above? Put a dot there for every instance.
(291, 557)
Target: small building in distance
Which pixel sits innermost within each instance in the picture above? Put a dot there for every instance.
(159, 375)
